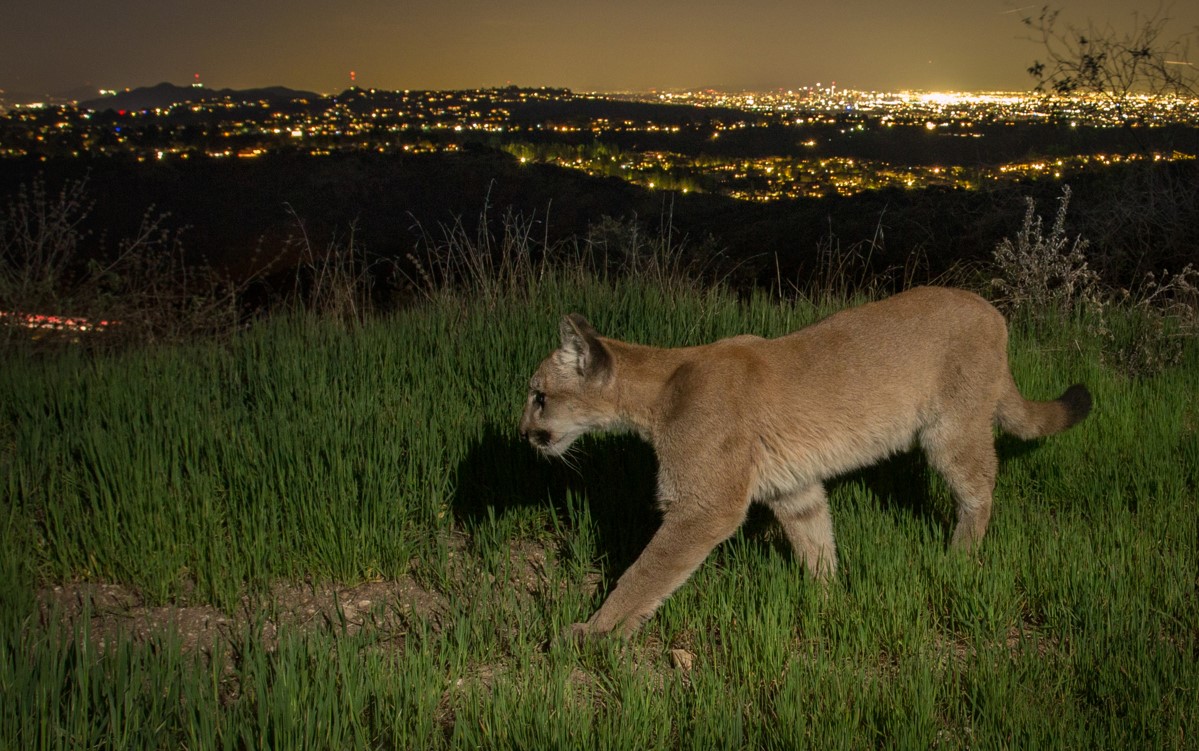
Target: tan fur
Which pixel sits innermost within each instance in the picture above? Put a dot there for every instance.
(748, 419)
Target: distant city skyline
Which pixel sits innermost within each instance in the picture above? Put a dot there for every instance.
(72, 45)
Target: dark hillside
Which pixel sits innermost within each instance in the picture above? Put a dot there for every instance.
(238, 213)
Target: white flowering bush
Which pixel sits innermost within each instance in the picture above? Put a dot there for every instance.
(1039, 272)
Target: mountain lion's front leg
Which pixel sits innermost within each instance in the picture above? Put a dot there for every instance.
(683, 541)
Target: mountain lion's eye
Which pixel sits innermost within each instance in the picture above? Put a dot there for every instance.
(539, 398)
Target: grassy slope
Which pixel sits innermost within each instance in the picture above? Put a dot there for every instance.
(305, 450)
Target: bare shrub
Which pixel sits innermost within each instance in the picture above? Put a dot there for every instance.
(518, 255)
(337, 283)
(57, 282)
(482, 263)
(40, 236)
(862, 268)
(1039, 272)
(1039, 275)
(1112, 62)
(1164, 316)
(615, 247)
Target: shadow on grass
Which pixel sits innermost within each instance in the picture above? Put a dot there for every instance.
(615, 474)
(904, 483)
(617, 477)
(900, 483)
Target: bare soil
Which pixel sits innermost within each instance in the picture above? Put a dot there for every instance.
(388, 609)
(115, 611)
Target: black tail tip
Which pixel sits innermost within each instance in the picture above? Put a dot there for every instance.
(1077, 401)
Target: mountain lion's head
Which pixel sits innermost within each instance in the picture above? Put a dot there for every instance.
(568, 395)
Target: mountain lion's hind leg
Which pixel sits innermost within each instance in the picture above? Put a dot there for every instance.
(964, 454)
(805, 518)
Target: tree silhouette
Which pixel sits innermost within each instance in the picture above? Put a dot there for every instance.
(1118, 64)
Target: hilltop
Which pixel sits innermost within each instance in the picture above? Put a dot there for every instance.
(166, 95)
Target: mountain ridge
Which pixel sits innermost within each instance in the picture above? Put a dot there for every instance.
(166, 94)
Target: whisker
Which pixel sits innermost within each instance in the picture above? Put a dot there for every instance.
(570, 458)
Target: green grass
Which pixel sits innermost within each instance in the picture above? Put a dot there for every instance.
(307, 451)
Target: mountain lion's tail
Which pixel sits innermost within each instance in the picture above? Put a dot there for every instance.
(1028, 419)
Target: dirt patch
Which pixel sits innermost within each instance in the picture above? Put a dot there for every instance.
(528, 572)
(1015, 642)
(388, 609)
(389, 612)
(106, 612)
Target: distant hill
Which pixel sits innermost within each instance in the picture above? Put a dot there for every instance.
(167, 94)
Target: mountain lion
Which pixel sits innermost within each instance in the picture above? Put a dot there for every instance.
(749, 419)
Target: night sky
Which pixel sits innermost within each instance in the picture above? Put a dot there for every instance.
(53, 46)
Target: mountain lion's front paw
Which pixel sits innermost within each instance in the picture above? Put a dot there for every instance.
(579, 633)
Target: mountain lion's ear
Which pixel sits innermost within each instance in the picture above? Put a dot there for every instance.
(581, 344)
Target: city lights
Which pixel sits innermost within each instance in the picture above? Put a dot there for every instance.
(581, 131)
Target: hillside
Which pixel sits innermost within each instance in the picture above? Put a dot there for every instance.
(238, 213)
